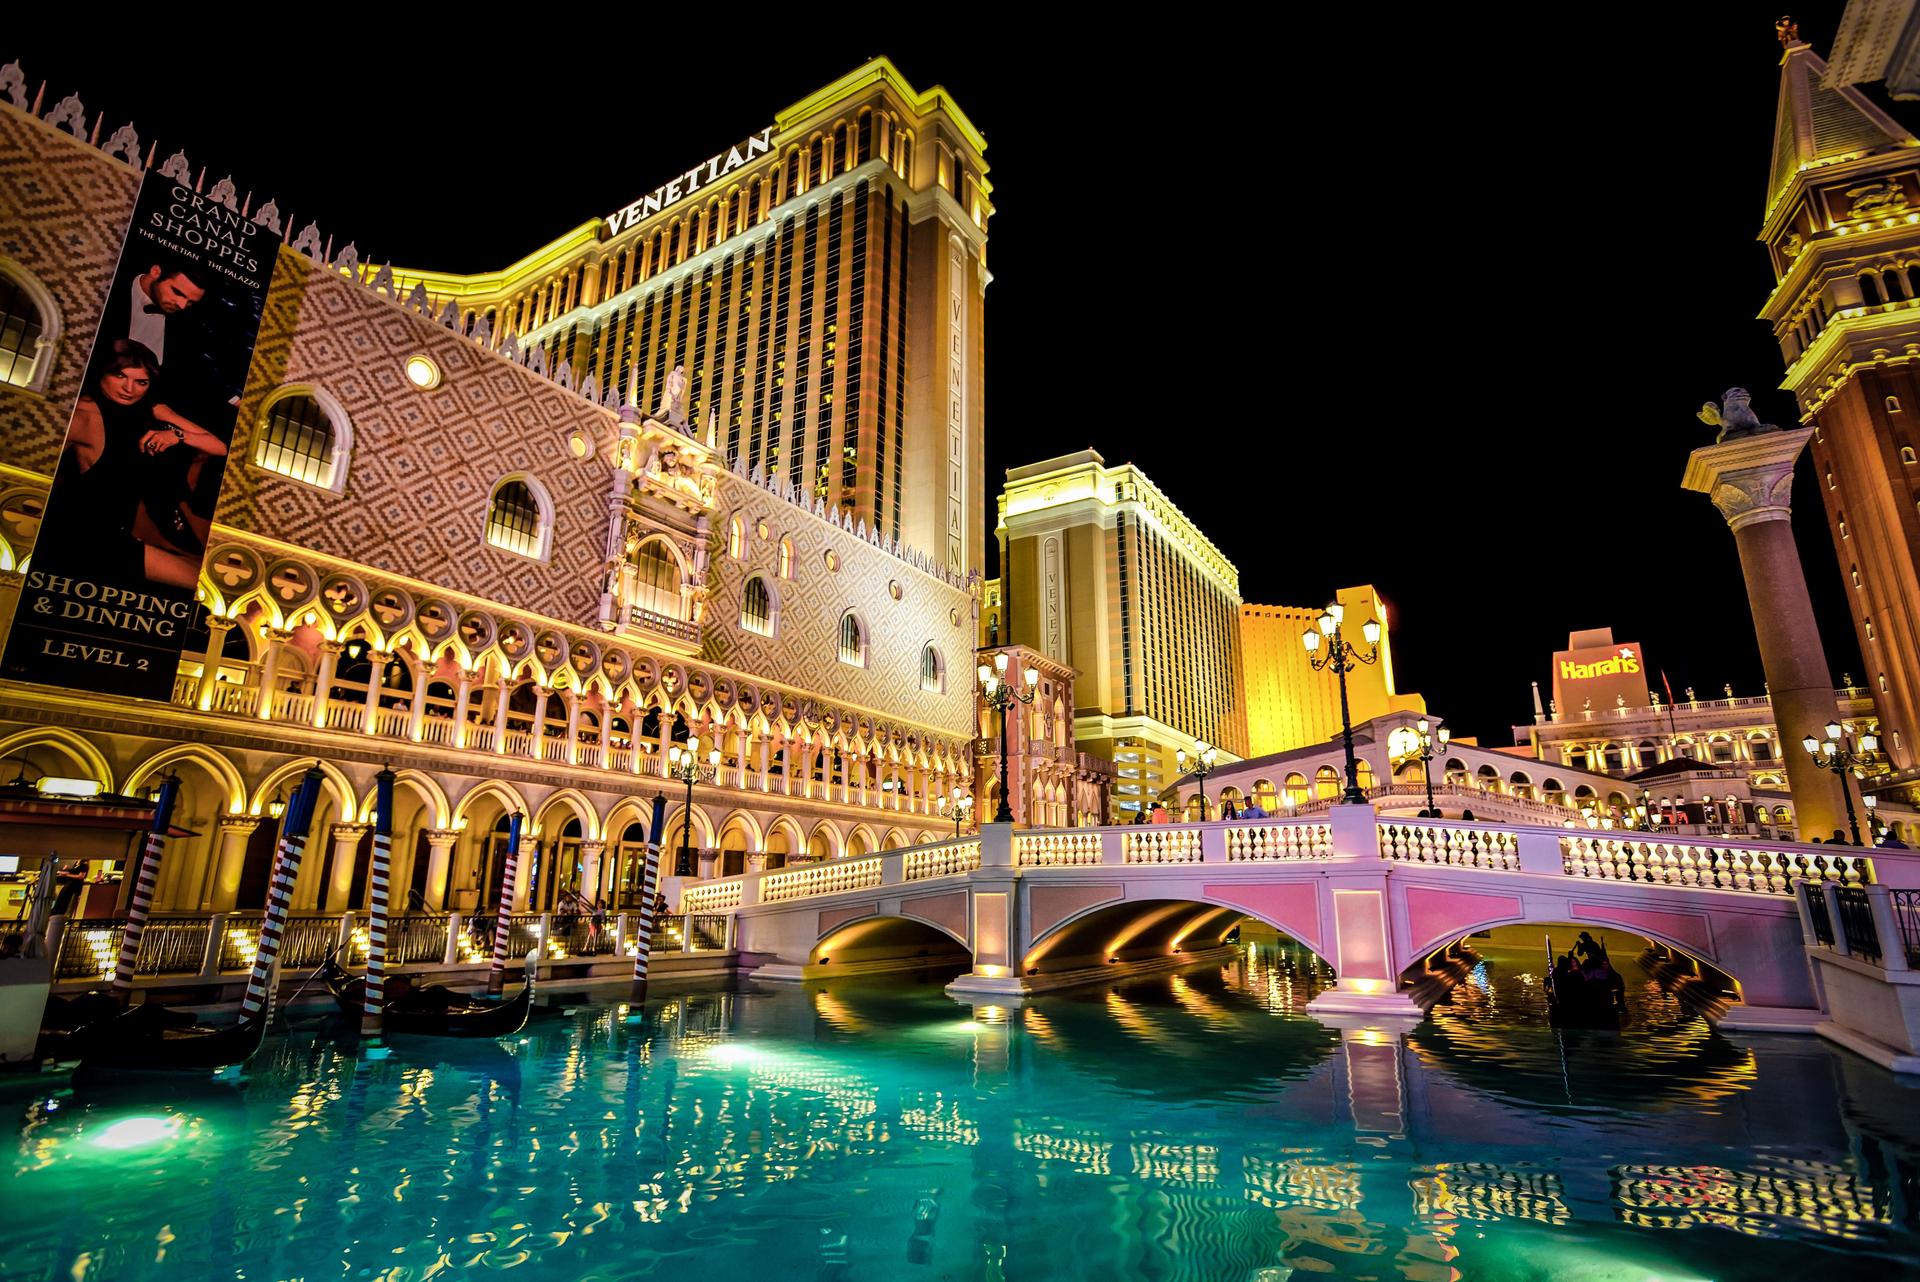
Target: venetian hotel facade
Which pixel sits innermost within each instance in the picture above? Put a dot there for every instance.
(707, 466)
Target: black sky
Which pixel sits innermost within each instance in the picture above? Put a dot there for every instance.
(1429, 305)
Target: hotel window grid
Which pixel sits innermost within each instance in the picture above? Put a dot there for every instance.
(900, 361)
(803, 355)
(20, 329)
(514, 521)
(756, 607)
(856, 328)
(880, 413)
(297, 441)
(853, 640)
(830, 329)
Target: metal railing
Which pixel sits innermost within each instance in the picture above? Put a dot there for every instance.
(1856, 921)
(1906, 915)
(1816, 900)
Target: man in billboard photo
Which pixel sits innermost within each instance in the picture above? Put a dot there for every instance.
(129, 475)
(174, 308)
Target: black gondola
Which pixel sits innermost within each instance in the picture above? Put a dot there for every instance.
(143, 1039)
(1577, 1000)
(435, 1010)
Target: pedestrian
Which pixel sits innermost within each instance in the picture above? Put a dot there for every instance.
(1254, 810)
(1159, 815)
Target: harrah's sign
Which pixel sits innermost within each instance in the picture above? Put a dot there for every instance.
(707, 171)
(1625, 663)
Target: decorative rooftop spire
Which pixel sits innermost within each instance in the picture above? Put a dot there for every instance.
(1787, 30)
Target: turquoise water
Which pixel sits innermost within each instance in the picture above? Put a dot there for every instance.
(1195, 1126)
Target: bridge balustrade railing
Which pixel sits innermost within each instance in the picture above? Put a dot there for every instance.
(1906, 915)
(1615, 856)
(1453, 845)
(1856, 923)
(1817, 916)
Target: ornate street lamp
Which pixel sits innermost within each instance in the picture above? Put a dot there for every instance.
(1429, 740)
(1343, 657)
(1200, 765)
(1000, 696)
(684, 764)
(1833, 753)
(961, 806)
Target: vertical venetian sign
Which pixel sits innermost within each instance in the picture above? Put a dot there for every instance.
(108, 600)
(956, 405)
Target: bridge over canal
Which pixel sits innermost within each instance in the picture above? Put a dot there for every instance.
(1373, 896)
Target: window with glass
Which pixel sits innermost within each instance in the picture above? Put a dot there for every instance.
(21, 327)
(853, 641)
(514, 521)
(656, 577)
(932, 671)
(756, 607)
(298, 440)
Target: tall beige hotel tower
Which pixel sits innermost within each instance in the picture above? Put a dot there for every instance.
(821, 283)
(1101, 572)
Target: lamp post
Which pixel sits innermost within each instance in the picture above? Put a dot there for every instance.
(961, 805)
(1429, 740)
(1343, 657)
(684, 764)
(1200, 765)
(1000, 695)
(1833, 753)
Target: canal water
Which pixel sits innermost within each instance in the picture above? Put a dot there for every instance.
(1193, 1126)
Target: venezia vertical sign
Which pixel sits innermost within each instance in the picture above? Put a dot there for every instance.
(109, 598)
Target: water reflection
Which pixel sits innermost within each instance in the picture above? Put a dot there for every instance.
(1191, 1126)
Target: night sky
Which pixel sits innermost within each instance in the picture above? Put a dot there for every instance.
(1430, 306)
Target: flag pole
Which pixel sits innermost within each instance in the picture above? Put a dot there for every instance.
(286, 869)
(502, 918)
(649, 879)
(377, 923)
(143, 888)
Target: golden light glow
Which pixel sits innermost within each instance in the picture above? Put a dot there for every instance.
(1367, 985)
(991, 972)
(422, 372)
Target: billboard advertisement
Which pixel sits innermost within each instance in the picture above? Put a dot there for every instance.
(108, 599)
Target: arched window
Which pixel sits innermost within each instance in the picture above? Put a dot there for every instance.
(756, 607)
(1907, 455)
(1296, 789)
(657, 580)
(786, 558)
(1265, 796)
(1895, 287)
(853, 640)
(1870, 288)
(933, 673)
(303, 438)
(736, 537)
(1326, 783)
(519, 517)
(29, 328)
(1893, 405)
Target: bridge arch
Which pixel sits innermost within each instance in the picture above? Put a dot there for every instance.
(889, 941)
(1135, 930)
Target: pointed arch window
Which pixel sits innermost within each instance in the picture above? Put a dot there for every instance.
(520, 517)
(29, 328)
(304, 435)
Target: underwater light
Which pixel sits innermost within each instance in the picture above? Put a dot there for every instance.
(133, 1132)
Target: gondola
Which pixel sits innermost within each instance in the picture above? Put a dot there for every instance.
(146, 1039)
(435, 1010)
(1575, 1001)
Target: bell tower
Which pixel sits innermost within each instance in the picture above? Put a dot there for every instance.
(1842, 228)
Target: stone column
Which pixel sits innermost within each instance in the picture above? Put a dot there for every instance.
(440, 842)
(416, 715)
(230, 859)
(276, 641)
(346, 847)
(217, 629)
(461, 693)
(592, 855)
(572, 700)
(539, 749)
(761, 749)
(1750, 479)
(376, 669)
(330, 652)
(500, 715)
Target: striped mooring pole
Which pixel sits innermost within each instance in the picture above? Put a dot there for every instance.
(143, 888)
(649, 881)
(286, 869)
(377, 924)
(502, 921)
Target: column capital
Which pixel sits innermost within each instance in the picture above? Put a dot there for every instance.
(592, 848)
(1749, 478)
(343, 831)
(335, 648)
(277, 636)
(240, 823)
(442, 836)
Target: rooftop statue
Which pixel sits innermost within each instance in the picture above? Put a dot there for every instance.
(1733, 416)
(673, 399)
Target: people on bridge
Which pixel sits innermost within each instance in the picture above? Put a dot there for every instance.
(1254, 810)
(1226, 809)
(1159, 815)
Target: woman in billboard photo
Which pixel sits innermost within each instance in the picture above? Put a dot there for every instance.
(130, 477)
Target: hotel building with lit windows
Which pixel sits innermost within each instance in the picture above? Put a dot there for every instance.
(1102, 573)
(477, 527)
(1289, 704)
